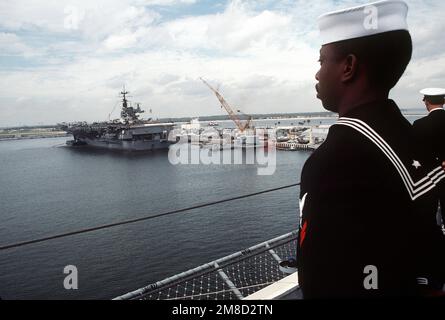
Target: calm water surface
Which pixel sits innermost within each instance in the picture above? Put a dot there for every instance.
(48, 188)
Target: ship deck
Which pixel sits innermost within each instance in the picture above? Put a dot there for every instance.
(249, 274)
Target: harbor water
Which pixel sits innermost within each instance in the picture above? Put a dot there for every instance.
(49, 188)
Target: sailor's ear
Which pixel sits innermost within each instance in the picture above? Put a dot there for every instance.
(350, 67)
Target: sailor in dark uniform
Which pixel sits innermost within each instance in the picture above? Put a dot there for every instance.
(430, 132)
(358, 189)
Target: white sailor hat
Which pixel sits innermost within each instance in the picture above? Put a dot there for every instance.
(433, 92)
(361, 21)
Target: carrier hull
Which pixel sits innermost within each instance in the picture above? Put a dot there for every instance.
(126, 145)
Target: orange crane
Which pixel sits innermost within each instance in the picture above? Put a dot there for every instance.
(233, 116)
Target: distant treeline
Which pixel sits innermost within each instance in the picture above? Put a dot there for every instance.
(257, 116)
(207, 118)
(254, 116)
(46, 126)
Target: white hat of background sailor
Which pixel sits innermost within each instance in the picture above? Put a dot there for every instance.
(365, 20)
(433, 92)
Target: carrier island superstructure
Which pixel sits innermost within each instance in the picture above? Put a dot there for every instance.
(127, 133)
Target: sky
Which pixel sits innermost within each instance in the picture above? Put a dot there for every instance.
(67, 60)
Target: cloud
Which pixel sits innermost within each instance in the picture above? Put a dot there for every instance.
(11, 44)
(52, 15)
(262, 54)
(165, 2)
(122, 40)
(231, 32)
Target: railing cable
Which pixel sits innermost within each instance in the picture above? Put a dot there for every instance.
(110, 225)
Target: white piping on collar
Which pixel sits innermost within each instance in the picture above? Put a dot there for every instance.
(415, 189)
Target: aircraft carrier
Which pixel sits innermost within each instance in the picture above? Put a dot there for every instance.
(127, 133)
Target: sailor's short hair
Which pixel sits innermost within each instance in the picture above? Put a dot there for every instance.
(385, 56)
